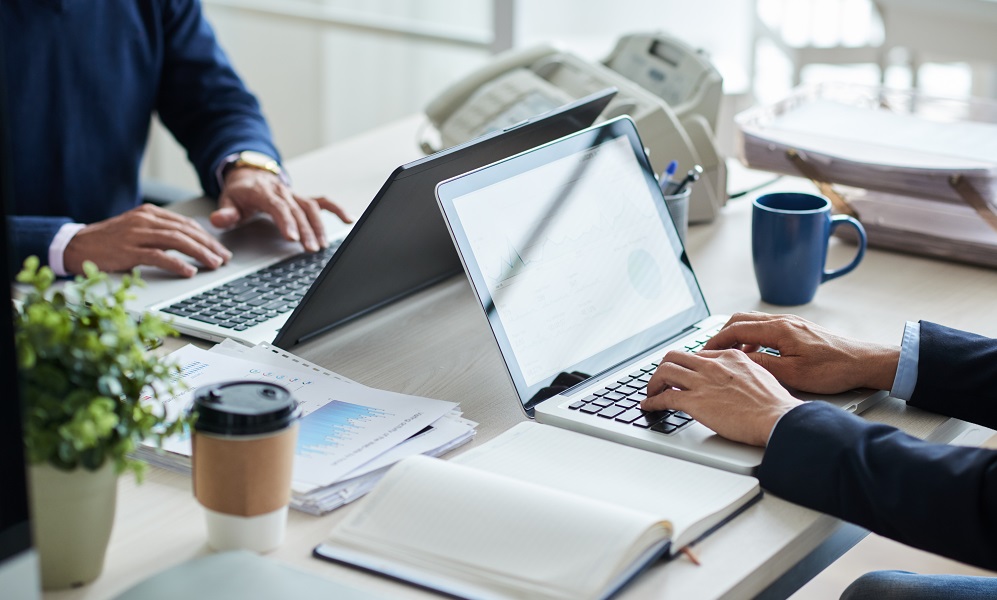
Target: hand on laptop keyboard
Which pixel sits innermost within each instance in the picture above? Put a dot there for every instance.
(144, 236)
(812, 358)
(722, 389)
(620, 402)
(247, 191)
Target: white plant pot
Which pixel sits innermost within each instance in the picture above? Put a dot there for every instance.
(72, 513)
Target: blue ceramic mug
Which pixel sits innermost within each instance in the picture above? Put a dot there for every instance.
(789, 237)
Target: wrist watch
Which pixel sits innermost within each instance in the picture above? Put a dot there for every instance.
(251, 159)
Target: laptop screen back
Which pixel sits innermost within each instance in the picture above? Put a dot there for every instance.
(573, 255)
(400, 244)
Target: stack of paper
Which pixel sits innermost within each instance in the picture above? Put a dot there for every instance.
(853, 136)
(897, 155)
(349, 433)
(939, 229)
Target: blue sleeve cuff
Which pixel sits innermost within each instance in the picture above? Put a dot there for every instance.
(32, 235)
(906, 380)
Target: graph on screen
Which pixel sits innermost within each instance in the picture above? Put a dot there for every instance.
(575, 257)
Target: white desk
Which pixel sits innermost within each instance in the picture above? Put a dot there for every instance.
(437, 344)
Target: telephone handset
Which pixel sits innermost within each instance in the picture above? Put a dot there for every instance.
(496, 96)
(524, 83)
(676, 72)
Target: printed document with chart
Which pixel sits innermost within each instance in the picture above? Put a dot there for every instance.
(347, 429)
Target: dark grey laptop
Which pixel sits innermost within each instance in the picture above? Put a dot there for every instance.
(397, 247)
(582, 277)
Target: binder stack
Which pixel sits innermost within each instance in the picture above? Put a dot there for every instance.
(919, 172)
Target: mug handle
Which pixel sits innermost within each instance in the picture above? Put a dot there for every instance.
(836, 221)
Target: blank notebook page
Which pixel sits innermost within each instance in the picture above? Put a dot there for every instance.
(679, 490)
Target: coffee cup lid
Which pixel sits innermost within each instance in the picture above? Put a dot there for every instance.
(244, 408)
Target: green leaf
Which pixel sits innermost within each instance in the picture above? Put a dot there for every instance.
(82, 360)
(109, 385)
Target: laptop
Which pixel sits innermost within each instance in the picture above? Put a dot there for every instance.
(581, 275)
(271, 292)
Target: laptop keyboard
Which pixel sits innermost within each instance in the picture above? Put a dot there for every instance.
(258, 297)
(620, 401)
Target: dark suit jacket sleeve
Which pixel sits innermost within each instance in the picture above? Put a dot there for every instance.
(957, 374)
(931, 496)
(201, 99)
(936, 497)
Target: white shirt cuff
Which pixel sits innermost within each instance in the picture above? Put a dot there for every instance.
(220, 169)
(58, 247)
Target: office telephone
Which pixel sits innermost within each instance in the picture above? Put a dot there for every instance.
(669, 89)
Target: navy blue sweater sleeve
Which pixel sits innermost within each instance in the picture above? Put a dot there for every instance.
(84, 79)
(957, 374)
(940, 498)
(201, 100)
(31, 236)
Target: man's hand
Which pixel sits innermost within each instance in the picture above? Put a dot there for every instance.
(723, 390)
(812, 359)
(142, 236)
(248, 191)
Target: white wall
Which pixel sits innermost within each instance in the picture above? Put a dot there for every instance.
(721, 27)
(319, 84)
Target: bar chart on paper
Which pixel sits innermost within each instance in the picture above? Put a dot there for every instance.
(341, 436)
(335, 436)
(334, 425)
(353, 425)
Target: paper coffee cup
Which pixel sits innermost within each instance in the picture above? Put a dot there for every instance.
(243, 456)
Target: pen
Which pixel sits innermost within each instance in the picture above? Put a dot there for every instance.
(666, 177)
(690, 555)
(691, 177)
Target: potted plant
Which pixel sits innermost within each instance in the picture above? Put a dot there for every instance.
(87, 378)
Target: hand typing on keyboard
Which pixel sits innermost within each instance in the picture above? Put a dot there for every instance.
(732, 387)
(810, 357)
(722, 389)
(298, 218)
(144, 236)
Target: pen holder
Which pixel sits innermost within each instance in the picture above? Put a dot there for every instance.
(678, 207)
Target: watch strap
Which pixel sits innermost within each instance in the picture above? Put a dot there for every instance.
(251, 160)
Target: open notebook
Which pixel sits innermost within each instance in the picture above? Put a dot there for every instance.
(537, 512)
